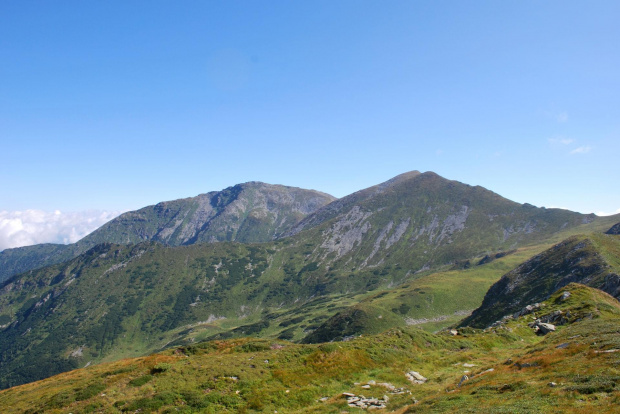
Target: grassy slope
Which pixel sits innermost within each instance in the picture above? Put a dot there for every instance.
(431, 301)
(588, 259)
(151, 302)
(254, 375)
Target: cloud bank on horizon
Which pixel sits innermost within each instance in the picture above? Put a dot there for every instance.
(28, 227)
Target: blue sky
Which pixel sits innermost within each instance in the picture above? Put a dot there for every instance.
(119, 104)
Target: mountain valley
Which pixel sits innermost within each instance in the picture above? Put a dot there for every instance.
(292, 268)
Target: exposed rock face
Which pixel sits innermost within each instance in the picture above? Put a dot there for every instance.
(415, 377)
(250, 212)
(424, 216)
(345, 233)
(542, 328)
(615, 229)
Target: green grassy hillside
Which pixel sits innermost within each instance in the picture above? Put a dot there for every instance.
(593, 260)
(408, 252)
(509, 369)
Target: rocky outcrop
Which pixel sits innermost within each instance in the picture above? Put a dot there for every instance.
(615, 229)
(577, 259)
(359, 401)
(542, 328)
(415, 377)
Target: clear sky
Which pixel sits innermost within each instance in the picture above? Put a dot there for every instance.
(114, 105)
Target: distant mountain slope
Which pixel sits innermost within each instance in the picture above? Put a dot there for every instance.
(250, 212)
(591, 260)
(246, 213)
(22, 259)
(425, 220)
(115, 301)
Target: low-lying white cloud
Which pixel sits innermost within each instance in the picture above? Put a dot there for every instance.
(581, 150)
(28, 227)
(606, 213)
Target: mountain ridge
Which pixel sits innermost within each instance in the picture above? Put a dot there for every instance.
(128, 300)
(248, 212)
(583, 259)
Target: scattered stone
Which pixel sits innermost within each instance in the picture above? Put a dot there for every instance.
(371, 382)
(545, 328)
(454, 332)
(527, 310)
(366, 386)
(415, 377)
(359, 401)
(323, 399)
(562, 346)
(469, 365)
(558, 318)
(463, 379)
(565, 295)
(608, 351)
(386, 385)
(541, 328)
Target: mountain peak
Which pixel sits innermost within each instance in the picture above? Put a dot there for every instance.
(401, 178)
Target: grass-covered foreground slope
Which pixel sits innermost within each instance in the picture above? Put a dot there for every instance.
(592, 259)
(249, 212)
(509, 370)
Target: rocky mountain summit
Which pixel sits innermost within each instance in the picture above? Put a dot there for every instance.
(428, 219)
(246, 213)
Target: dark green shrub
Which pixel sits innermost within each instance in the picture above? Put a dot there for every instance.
(138, 382)
(89, 391)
